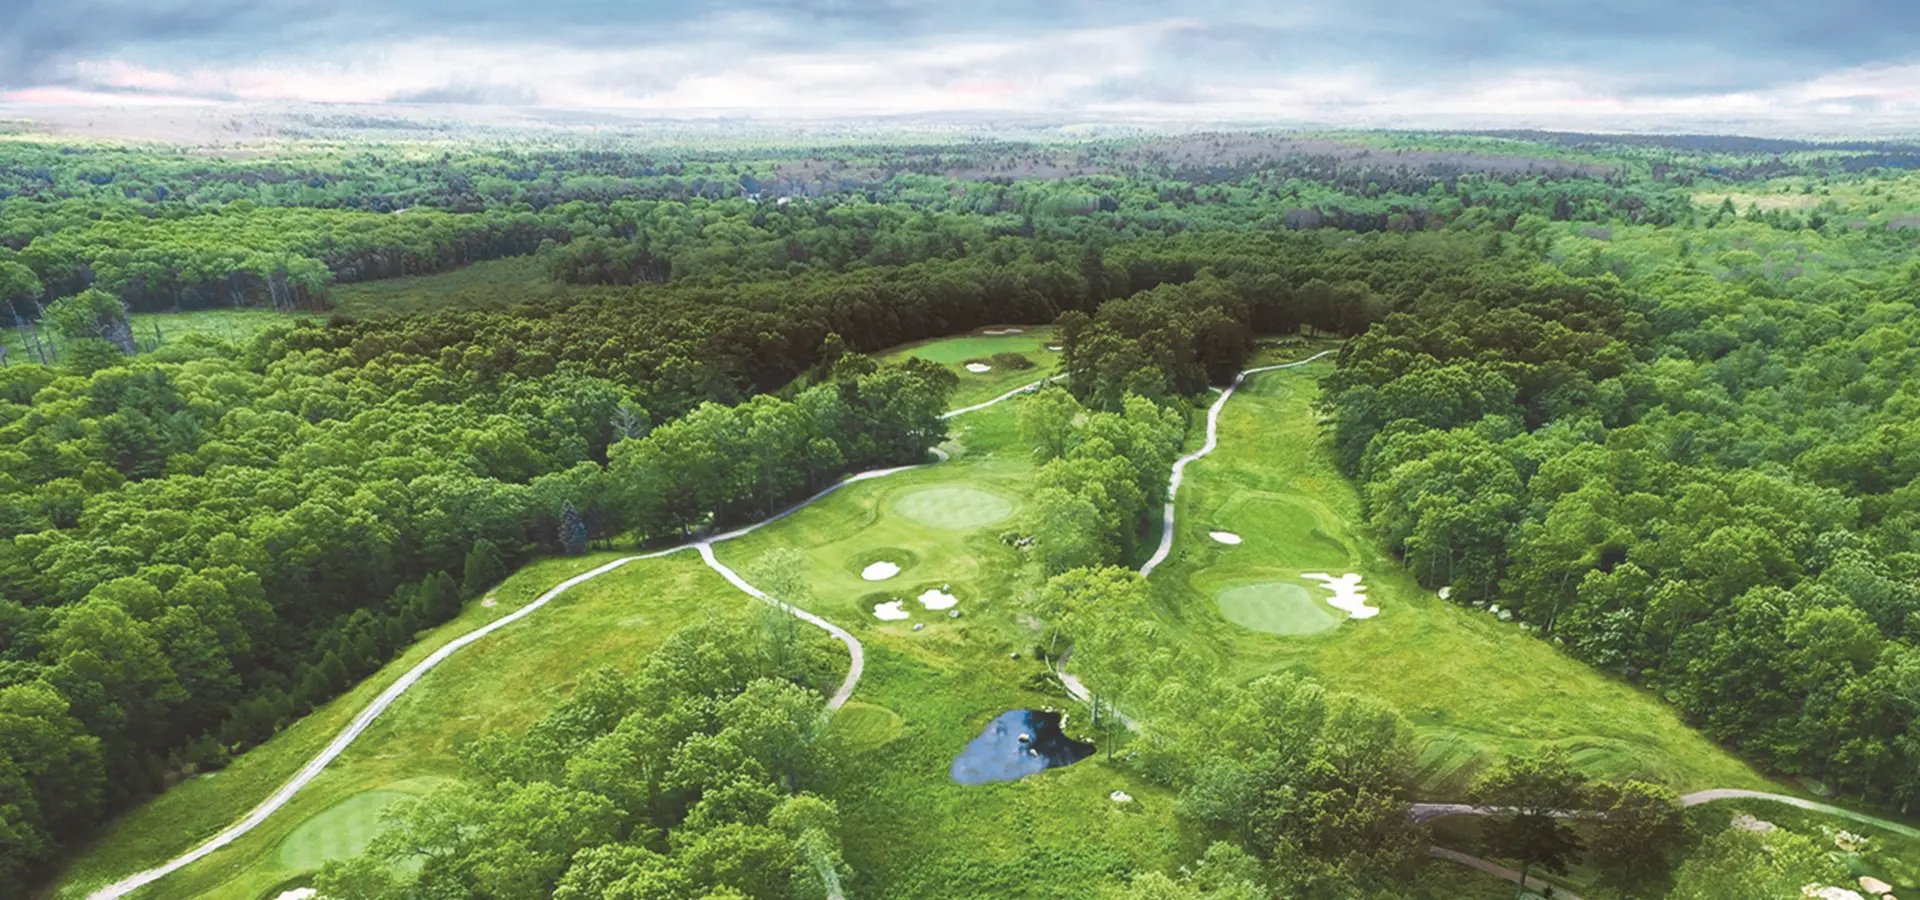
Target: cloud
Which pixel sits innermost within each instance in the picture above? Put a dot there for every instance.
(1493, 62)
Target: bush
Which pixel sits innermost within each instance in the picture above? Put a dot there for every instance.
(1011, 361)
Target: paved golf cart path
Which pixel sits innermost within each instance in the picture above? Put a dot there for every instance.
(1213, 440)
(1426, 812)
(360, 723)
(857, 657)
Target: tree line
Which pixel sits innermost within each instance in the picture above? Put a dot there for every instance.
(1683, 480)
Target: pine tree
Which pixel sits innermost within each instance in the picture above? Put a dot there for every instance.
(573, 531)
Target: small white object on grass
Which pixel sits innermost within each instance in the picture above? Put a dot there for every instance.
(1120, 797)
(488, 603)
(1348, 594)
(891, 611)
(919, 625)
(1748, 822)
(880, 571)
(1225, 537)
(1446, 593)
(979, 368)
(933, 599)
(1818, 892)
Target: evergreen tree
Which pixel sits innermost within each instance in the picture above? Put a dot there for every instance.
(573, 531)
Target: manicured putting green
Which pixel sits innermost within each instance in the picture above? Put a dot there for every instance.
(953, 507)
(1275, 607)
(340, 831)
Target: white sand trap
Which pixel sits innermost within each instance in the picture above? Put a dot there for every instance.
(1348, 594)
(979, 368)
(890, 611)
(996, 332)
(934, 598)
(1056, 347)
(880, 571)
(1446, 593)
(305, 893)
(1225, 537)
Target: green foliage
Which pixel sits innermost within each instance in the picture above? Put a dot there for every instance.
(1530, 794)
(1737, 864)
(702, 755)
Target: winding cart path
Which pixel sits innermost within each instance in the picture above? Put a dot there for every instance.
(307, 773)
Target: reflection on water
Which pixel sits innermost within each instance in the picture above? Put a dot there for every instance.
(1017, 744)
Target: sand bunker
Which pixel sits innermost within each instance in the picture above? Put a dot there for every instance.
(305, 893)
(880, 571)
(996, 332)
(1225, 537)
(1348, 593)
(1446, 593)
(890, 611)
(979, 368)
(1056, 347)
(934, 598)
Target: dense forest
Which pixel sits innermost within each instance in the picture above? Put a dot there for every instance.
(1672, 435)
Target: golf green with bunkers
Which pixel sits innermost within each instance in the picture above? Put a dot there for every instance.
(1277, 607)
(1471, 686)
(954, 507)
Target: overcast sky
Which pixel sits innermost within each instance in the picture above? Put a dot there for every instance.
(1826, 66)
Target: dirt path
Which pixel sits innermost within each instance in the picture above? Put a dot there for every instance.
(338, 745)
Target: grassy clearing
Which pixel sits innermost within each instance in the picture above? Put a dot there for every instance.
(505, 682)
(234, 325)
(956, 352)
(1473, 687)
(494, 284)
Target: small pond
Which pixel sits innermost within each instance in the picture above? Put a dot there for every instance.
(1017, 744)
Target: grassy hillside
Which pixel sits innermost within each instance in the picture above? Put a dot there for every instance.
(1473, 686)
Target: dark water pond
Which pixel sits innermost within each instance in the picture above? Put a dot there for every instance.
(1017, 744)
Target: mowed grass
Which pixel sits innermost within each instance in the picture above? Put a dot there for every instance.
(1473, 687)
(343, 830)
(955, 352)
(1275, 607)
(910, 831)
(504, 682)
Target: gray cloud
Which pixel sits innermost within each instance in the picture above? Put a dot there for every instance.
(1630, 48)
